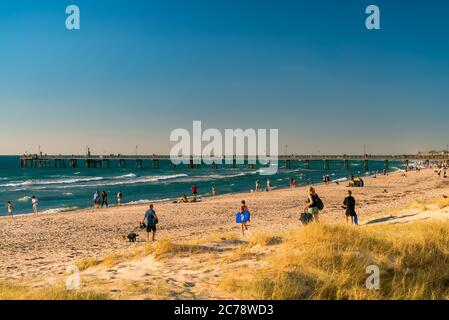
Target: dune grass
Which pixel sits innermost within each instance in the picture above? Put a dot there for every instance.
(330, 261)
(10, 291)
(429, 204)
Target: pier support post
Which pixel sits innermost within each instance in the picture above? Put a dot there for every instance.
(326, 165)
(234, 161)
(366, 165)
(306, 164)
(287, 164)
(155, 164)
(347, 164)
(406, 165)
(214, 165)
(385, 165)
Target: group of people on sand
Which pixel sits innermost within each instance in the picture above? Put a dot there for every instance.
(268, 187)
(101, 199)
(34, 206)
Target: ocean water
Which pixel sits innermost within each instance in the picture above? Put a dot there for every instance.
(65, 189)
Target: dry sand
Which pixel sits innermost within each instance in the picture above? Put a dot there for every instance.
(43, 246)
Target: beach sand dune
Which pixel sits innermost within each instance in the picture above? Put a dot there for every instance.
(43, 246)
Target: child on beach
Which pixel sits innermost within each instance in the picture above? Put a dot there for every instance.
(119, 198)
(34, 204)
(10, 209)
(150, 220)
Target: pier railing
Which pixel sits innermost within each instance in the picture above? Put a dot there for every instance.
(105, 161)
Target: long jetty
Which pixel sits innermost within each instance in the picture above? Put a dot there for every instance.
(107, 161)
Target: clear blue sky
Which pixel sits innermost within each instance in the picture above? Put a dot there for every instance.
(138, 69)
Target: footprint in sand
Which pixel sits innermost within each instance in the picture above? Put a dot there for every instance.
(188, 284)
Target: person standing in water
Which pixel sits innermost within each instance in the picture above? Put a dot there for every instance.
(34, 204)
(104, 199)
(10, 209)
(214, 191)
(194, 190)
(97, 199)
(119, 198)
(349, 205)
(257, 185)
(268, 184)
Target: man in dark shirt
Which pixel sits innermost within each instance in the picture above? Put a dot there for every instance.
(150, 220)
(349, 205)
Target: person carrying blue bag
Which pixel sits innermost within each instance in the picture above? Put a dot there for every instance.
(243, 217)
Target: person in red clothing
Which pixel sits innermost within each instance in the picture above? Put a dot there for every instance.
(194, 190)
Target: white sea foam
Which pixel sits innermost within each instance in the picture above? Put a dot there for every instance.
(38, 182)
(130, 175)
(24, 199)
(146, 201)
(58, 210)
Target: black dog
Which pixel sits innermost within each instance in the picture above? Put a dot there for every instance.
(132, 237)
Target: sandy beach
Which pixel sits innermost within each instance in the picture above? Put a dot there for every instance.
(43, 246)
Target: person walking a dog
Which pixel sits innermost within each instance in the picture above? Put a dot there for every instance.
(150, 220)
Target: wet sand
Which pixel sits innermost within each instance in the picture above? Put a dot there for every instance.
(45, 245)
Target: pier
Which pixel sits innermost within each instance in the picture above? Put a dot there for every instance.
(122, 161)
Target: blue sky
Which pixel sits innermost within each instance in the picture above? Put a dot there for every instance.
(138, 69)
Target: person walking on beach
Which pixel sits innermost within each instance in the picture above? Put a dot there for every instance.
(34, 204)
(257, 185)
(349, 205)
(268, 185)
(97, 199)
(244, 206)
(194, 190)
(10, 209)
(119, 198)
(104, 199)
(292, 183)
(243, 218)
(150, 220)
(313, 204)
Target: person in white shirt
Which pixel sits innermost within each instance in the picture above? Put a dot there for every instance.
(34, 203)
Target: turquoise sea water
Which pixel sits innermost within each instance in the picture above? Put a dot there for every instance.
(73, 188)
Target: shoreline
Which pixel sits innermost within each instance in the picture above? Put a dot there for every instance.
(170, 200)
(56, 241)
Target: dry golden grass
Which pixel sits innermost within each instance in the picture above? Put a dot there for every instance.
(106, 261)
(264, 239)
(10, 291)
(329, 262)
(429, 204)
